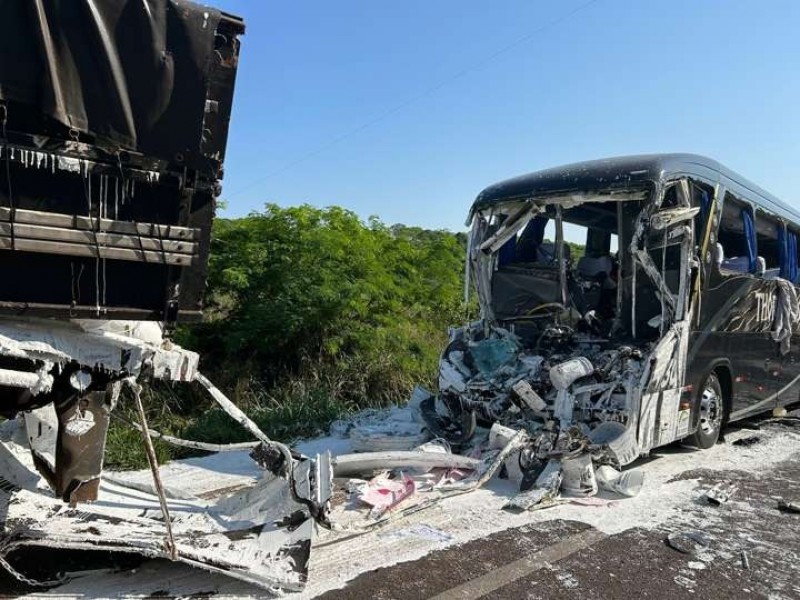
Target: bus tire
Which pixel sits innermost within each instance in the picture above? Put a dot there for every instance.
(711, 404)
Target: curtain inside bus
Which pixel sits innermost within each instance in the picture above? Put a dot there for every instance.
(750, 236)
(783, 251)
(705, 205)
(792, 252)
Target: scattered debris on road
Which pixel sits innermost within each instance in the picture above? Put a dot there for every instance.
(747, 441)
(689, 542)
(383, 493)
(720, 493)
(745, 560)
(789, 507)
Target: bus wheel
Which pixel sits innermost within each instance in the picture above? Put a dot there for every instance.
(712, 411)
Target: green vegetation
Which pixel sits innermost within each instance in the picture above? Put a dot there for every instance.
(576, 250)
(310, 313)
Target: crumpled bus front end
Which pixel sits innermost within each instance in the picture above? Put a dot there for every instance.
(582, 348)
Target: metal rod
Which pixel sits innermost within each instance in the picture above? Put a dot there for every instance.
(620, 269)
(172, 549)
(633, 297)
(183, 443)
(468, 267)
(562, 267)
(664, 276)
(236, 413)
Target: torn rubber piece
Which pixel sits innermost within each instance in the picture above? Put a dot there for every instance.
(747, 441)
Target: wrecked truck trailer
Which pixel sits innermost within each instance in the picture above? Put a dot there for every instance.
(680, 315)
(113, 126)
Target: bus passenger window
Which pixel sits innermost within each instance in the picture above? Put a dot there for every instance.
(769, 234)
(701, 197)
(737, 238)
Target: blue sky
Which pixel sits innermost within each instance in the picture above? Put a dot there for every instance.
(406, 110)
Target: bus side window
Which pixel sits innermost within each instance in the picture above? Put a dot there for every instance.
(736, 248)
(670, 199)
(769, 234)
(701, 197)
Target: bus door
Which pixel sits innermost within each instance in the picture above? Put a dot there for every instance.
(667, 261)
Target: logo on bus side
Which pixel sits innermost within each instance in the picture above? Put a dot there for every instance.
(765, 306)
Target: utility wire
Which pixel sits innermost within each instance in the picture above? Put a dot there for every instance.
(416, 98)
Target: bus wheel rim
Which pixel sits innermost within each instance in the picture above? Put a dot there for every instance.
(710, 413)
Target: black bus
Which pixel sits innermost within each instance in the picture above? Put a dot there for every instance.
(682, 303)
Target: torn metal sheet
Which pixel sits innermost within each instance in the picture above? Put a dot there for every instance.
(545, 490)
(669, 217)
(258, 531)
(261, 535)
(106, 345)
(720, 493)
(77, 369)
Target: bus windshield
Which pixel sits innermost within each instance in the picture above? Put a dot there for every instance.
(607, 264)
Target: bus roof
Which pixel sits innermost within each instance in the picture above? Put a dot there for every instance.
(629, 171)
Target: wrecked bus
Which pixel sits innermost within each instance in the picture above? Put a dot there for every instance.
(113, 127)
(680, 314)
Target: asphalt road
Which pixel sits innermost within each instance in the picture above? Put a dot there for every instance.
(563, 558)
(633, 564)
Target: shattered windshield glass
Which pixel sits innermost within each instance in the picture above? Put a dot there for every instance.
(528, 275)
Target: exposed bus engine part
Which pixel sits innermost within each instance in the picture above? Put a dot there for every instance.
(579, 383)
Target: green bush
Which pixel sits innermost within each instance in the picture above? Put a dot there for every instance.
(310, 314)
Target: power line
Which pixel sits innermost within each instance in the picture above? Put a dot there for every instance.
(416, 98)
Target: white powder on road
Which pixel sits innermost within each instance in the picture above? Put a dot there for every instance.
(337, 560)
